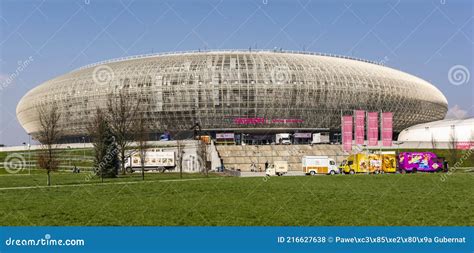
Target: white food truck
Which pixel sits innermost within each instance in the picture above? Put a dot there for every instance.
(313, 165)
(278, 168)
(155, 159)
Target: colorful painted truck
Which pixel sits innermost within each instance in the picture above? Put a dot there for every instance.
(421, 161)
(313, 165)
(383, 162)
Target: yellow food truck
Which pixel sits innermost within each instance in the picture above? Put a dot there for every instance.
(382, 162)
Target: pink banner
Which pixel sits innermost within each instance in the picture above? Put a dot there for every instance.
(359, 126)
(387, 128)
(249, 121)
(347, 133)
(373, 128)
(465, 145)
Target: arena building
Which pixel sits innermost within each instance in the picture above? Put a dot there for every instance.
(243, 92)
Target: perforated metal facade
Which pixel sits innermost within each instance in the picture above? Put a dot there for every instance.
(238, 89)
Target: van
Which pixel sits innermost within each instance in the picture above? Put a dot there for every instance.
(278, 168)
(313, 165)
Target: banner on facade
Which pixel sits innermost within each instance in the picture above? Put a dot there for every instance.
(373, 128)
(224, 135)
(359, 126)
(347, 133)
(387, 128)
(302, 135)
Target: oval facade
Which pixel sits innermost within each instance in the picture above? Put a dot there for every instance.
(238, 90)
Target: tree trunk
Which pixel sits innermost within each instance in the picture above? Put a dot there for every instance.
(49, 179)
(143, 170)
(180, 166)
(122, 160)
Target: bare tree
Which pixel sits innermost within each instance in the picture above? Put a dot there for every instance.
(434, 143)
(142, 137)
(452, 147)
(202, 154)
(49, 135)
(121, 110)
(180, 150)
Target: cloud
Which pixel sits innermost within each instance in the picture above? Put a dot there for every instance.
(456, 112)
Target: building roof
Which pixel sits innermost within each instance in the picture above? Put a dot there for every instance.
(442, 131)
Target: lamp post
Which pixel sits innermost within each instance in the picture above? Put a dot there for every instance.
(84, 147)
(29, 154)
(24, 144)
(398, 143)
(69, 158)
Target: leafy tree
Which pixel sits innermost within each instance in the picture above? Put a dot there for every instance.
(110, 162)
(106, 151)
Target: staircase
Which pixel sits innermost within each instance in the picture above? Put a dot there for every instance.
(242, 157)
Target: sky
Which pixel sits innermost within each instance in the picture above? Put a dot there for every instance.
(40, 40)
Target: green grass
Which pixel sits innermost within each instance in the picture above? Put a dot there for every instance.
(82, 158)
(411, 199)
(38, 178)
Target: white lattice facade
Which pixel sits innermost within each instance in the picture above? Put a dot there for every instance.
(222, 89)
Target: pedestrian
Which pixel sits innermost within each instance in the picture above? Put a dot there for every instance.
(266, 165)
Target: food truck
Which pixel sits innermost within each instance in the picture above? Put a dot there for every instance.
(382, 162)
(421, 161)
(313, 165)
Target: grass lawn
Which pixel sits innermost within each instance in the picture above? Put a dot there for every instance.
(411, 199)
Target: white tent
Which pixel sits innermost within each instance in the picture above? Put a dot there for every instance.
(442, 131)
